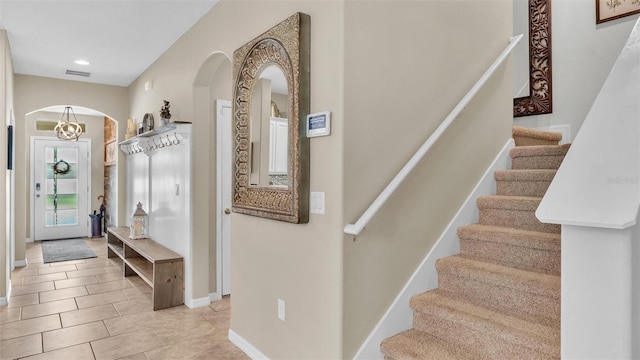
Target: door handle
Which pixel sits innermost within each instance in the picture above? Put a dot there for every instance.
(37, 195)
(227, 211)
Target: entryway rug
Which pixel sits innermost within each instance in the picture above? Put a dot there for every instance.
(65, 250)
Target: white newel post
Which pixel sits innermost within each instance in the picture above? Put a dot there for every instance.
(598, 293)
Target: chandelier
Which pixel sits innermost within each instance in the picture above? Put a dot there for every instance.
(67, 129)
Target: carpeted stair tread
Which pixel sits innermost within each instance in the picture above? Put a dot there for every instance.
(521, 249)
(528, 182)
(539, 150)
(511, 236)
(527, 295)
(415, 344)
(525, 175)
(538, 157)
(523, 203)
(498, 275)
(481, 331)
(512, 211)
(526, 136)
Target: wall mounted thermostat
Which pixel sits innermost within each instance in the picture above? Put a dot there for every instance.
(319, 124)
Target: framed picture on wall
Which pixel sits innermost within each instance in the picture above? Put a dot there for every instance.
(110, 153)
(607, 10)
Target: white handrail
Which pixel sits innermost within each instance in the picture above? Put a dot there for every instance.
(355, 229)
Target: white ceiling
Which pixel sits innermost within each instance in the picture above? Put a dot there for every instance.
(119, 38)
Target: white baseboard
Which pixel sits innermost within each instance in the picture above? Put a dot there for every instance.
(245, 346)
(4, 301)
(20, 263)
(214, 297)
(399, 316)
(564, 129)
(28, 240)
(196, 303)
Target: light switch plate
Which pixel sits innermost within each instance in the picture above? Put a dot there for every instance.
(281, 309)
(317, 202)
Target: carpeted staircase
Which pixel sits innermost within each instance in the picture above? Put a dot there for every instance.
(500, 298)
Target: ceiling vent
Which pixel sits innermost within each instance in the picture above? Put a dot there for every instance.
(78, 73)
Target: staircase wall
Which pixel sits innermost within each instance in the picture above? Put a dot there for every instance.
(407, 64)
(582, 54)
(595, 196)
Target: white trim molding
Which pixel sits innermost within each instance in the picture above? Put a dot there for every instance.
(399, 315)
(245, 346)
(20, 263)
(214, 297)
(4, 301)
(196, 303)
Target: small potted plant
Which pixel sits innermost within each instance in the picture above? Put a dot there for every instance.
(165, 115)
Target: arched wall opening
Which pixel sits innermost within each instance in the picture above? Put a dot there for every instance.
(213, 82)
(103, 132)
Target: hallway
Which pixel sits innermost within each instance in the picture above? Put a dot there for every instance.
(85, 309)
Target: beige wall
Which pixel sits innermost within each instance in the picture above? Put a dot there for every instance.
(582, 56)
(7, 181)
(407, 64)
(94, 130)
(33, 93)
(297, 263)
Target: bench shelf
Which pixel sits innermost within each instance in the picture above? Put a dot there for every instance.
(158, 266)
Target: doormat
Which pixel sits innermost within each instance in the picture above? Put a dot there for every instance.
(65, 250)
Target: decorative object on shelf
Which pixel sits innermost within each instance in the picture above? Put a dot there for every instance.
(132, 129)
(139, 227)
(275, 112)
(147, 122)
(607, 10)
(110, 150)
(165, 114)
(67, 129)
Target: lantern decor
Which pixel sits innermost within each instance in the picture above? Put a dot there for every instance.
(139, 228)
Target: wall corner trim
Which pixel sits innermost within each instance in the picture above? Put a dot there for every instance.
(398, 316)
(214, 297)
(20, 263)
(196, 303)
(245, 346)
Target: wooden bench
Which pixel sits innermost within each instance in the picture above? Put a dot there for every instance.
(158, 266)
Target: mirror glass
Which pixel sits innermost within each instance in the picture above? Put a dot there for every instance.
(269, 165)
(271, 76)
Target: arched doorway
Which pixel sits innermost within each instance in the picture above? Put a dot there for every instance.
(100, 131)
(212, 86)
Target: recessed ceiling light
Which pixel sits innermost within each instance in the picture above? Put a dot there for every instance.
(82, 62)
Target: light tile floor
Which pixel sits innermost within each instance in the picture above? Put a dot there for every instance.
(85, 309)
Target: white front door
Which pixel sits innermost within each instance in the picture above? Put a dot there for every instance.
(224, 141)
(60, 188)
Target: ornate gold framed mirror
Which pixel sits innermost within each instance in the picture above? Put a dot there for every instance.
(270, 104)
(539, 100)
